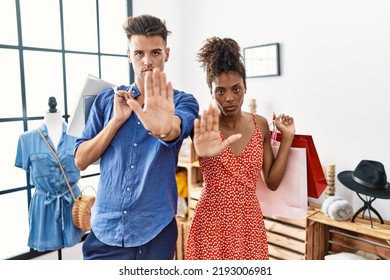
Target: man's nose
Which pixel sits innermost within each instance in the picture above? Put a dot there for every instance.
(147, 61)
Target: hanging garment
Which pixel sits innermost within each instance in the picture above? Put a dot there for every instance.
(50, 209)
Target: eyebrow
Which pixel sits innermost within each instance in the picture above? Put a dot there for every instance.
(154, 50)
(235, 85)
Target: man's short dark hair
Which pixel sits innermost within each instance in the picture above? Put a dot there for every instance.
(145, 25)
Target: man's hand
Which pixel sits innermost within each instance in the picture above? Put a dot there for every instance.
(121, 110)
(158, 112)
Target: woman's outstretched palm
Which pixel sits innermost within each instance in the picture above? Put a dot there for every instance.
(207, 140)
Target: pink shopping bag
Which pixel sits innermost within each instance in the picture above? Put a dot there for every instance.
(290, 199)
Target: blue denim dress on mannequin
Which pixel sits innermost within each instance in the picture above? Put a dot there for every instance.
(50, 211)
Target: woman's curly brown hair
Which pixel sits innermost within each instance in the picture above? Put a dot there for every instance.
(221, 56)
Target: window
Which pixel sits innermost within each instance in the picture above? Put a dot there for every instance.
(47, 48)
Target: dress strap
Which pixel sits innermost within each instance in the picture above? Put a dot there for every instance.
(254, 118)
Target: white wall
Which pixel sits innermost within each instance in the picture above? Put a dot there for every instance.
(335, 63)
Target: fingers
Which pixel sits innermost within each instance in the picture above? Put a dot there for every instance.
(209, 124)
(202, 121)
(163, 85)
(121, 96)
(196, 127)
(233, 138)
(215, 119)
(156, 85)
(284, 119)
(133, 104)
(209, 120)
(170, 92)
(156, 82)
(148, 86)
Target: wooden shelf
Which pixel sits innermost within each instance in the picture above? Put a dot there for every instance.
(287, 237)
(327, 236)
(360, 225)
(188, 160)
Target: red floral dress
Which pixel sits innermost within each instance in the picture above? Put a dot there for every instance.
(228, 222)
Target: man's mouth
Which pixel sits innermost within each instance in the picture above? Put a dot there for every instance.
(147, 69)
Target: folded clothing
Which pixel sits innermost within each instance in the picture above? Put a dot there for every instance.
(337, 208)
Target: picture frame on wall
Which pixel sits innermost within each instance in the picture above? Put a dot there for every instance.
(262, 60)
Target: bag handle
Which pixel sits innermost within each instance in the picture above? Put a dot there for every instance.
(274, 132)
(59, 162)
(83, 189)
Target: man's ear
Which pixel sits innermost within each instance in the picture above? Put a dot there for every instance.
(167, 51)
(128, 55)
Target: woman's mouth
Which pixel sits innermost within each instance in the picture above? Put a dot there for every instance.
(230, 108)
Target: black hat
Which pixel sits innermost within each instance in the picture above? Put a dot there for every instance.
(368, 178)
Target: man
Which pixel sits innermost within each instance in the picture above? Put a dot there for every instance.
(136, 131)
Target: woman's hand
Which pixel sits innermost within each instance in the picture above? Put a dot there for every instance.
(285, 124)
(207, 140)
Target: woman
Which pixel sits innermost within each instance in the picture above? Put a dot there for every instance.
(234, 148)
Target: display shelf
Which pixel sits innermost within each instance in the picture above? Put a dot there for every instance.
(188, 160)
(183, 227)
(287, 237)
(326, 236)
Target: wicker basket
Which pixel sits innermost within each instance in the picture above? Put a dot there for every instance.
(81, 212)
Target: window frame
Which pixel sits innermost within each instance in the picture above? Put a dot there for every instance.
(25, 118)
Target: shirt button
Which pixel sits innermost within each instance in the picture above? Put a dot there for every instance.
(135, 144)
(128, 189)
(138, 123)
(131, 166)
(125, 212)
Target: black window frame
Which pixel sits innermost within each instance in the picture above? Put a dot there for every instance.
(25, 118)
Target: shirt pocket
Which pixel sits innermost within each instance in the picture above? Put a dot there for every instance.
(70, 168)
(40, 165)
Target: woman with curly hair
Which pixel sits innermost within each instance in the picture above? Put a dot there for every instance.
(233, 148)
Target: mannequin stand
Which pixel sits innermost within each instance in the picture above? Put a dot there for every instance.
(367, 206)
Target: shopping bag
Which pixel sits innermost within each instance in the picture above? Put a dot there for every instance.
(290, 199)
(316, 181)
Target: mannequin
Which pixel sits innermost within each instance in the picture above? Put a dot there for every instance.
(50, 210)
(53, 121)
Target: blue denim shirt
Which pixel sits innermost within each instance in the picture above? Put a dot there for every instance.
(50, 209)
(137, 191)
